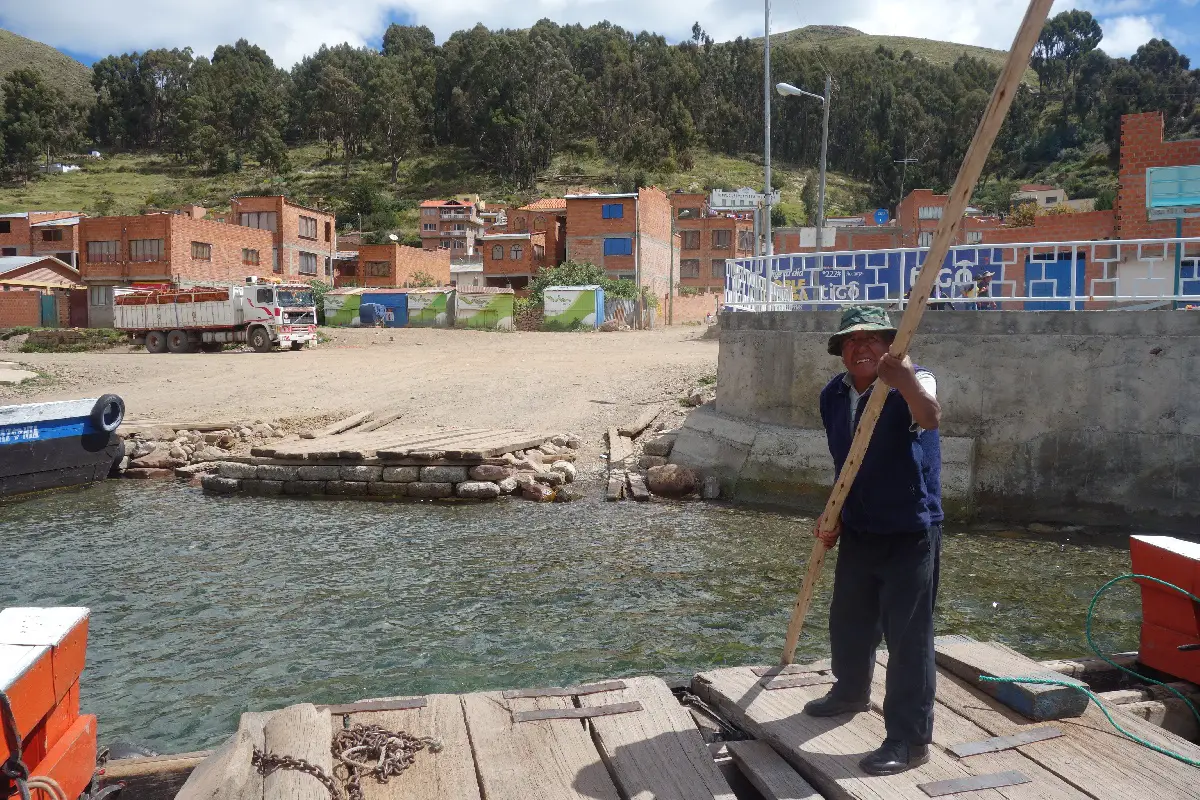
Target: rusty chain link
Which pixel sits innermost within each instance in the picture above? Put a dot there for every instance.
(357, 751)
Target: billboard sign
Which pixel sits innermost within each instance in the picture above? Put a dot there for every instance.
(1173, 192)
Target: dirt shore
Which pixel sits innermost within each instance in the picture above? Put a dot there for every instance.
(564, 382)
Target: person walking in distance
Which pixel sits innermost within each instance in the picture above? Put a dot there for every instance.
(886, 578)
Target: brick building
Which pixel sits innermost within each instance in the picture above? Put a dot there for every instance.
(629, 235)
(53, 233)
(548, 216)
(453, 225)
(1142, 146)
(398, 266)
(165, 249)
(708, 239)
(511, 260)
(305, 239)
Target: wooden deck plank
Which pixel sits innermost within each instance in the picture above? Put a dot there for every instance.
(448, 774)
(547, 760)
(382, 439)
(771, 775)
(658, 753)
(1092, 756)
(301, 732)
(825, 751)
(969, 659)
(951, 728)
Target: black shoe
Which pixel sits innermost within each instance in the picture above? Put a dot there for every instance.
(830, 706)
(894, 756)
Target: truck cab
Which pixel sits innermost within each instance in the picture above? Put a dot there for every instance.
(287, 310)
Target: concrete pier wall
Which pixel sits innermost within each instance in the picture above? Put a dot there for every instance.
(1084, 417)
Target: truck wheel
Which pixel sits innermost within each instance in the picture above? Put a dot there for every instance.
(177, 342)
(211, 347)
(297, 345)
(260, 340)
(156, 342)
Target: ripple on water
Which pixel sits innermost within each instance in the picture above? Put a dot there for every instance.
(203, 607)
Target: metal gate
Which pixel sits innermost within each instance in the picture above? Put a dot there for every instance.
(77, 311)
(49, 311)
(1052, 275)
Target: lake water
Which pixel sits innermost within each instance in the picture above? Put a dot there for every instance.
(206, 607)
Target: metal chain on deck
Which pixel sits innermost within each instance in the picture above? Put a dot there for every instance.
(371, 750)
(358, 751)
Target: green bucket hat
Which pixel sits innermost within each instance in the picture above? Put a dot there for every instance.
(859, 318)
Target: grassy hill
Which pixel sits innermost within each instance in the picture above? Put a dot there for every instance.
(129, 183)
(841, 39)
(56, 68)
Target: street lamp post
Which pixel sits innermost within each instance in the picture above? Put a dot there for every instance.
(769, 248)
(786, 89)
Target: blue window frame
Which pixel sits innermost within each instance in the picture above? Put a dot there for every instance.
(613, 211)
(618, 247)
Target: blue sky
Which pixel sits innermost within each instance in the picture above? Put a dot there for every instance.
(289, 29)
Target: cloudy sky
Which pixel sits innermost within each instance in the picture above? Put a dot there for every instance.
(289, 29)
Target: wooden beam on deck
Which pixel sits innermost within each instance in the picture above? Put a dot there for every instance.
(969, 659)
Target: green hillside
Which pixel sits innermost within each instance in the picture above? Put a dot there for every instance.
(840, 39)
(55, 68)
(127, 184)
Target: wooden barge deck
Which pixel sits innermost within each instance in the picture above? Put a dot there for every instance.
(633, 739)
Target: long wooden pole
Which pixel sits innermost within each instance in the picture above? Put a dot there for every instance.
(960, 195)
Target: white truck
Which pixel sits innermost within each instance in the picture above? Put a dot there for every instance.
(181, 320)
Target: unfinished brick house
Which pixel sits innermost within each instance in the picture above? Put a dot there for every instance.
(511, 260)
(398, 266)
(305, 239)
(629, 235)
(548, 216)
(453, 225)
(158, 249)
(708, 239)
(52, 233)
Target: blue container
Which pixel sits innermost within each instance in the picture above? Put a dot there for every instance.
(394, 304)
(371, 314)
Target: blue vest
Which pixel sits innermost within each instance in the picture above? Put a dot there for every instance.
(899, 485)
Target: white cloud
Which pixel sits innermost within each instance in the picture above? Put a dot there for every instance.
(290, 29)
(1124, 35)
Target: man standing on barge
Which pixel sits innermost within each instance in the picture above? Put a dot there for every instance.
(886, 578)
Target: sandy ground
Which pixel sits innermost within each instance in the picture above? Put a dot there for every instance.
(561, 382)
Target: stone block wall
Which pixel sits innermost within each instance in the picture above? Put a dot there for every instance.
(1083, 417)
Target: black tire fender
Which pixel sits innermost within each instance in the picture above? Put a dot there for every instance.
(108, 412)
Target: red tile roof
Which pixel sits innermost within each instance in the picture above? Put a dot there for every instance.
(546, 204)
(439, 203)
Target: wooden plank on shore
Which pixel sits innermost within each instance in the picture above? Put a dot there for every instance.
(565, 691)
(302, 732)
(449, 773)
(995, 780)
(634, 429)
(345, 424)
(608, 710)
(825, 751)
(637, 487)
(380, 421)
(620, 449)
(658, 753)
(769, 773)
(1092, 757)
(616, 486)
(998, 744)
(969, 659)
(548, 760)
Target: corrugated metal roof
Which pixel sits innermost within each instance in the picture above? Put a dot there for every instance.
(473, 267)
(64, 221)
(560, 288)
(9, 263)
(484, 290)
(489, 237)
(600, 196)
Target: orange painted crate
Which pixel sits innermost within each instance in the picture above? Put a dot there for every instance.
(72, 759)
(42, 654)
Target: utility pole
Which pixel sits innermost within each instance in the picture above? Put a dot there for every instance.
(824, 150)
(903, 175)
(769, 248)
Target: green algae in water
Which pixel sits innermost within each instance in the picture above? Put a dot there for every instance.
(207, 607)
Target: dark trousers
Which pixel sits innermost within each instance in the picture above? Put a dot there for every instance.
(884, 588)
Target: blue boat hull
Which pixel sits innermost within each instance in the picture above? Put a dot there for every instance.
(53, 445)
